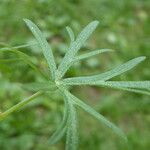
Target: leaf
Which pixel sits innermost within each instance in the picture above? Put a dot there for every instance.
(24, 57)
(9, 60)
(17, 47)
(98, 116)
(104, 76)
(44, 45)
(90, 54)
(19, 105)
(59, 133)
(71, 34)
(133, 90)
(72, 133)
(40, 86)
(126, 84)
(74, 48)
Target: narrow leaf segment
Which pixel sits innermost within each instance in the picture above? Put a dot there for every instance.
(61, 130)
(74, 48)
(107, 75)
(44, 45)
(98, 116)
(72, 131)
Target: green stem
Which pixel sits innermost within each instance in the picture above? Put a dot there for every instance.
(19, 105)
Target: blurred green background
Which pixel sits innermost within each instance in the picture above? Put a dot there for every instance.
(124, 26)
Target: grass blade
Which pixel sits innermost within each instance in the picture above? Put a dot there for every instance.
(9, 60)
(98, 116)
(93, 53)
(44, 45)
(40, 86)
(7, 47)
(74, 48)
(24, 57)
(104, 76)
(19, 105)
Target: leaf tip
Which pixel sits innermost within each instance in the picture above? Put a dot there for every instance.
(95, 22)
(25, 20)
(143, 58)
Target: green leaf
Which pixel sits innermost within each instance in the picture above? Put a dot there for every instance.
(61, 130)
(71, 34)
(104, 76)
(133, 90)
(9, 60)
(44, 45)
(74, 48)
(7, 47)
(126, 84)
(19, 105)
(40, 86)
(98, 116)
(90, 54)
(24, 57)
(72, 133)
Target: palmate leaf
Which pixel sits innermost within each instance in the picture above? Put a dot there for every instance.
(24, 57)
(61, 130)
(72, 132)
(104, 76)
(44, 45)
(74, 48)
(98, 116)
(40, 86)
(90, 54)
(69, 122)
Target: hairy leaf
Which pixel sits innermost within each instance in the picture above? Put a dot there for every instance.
(96, 115)
(44, 45)
(90, 54)
(74, 48)
(40, 86)
(140, 91)
(59, 133)
(72, 133)
(104, 76)
(71, 34)
(126, 84)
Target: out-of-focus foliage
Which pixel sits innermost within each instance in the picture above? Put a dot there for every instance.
(124, 26)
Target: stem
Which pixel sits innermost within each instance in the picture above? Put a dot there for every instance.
(19, 105)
